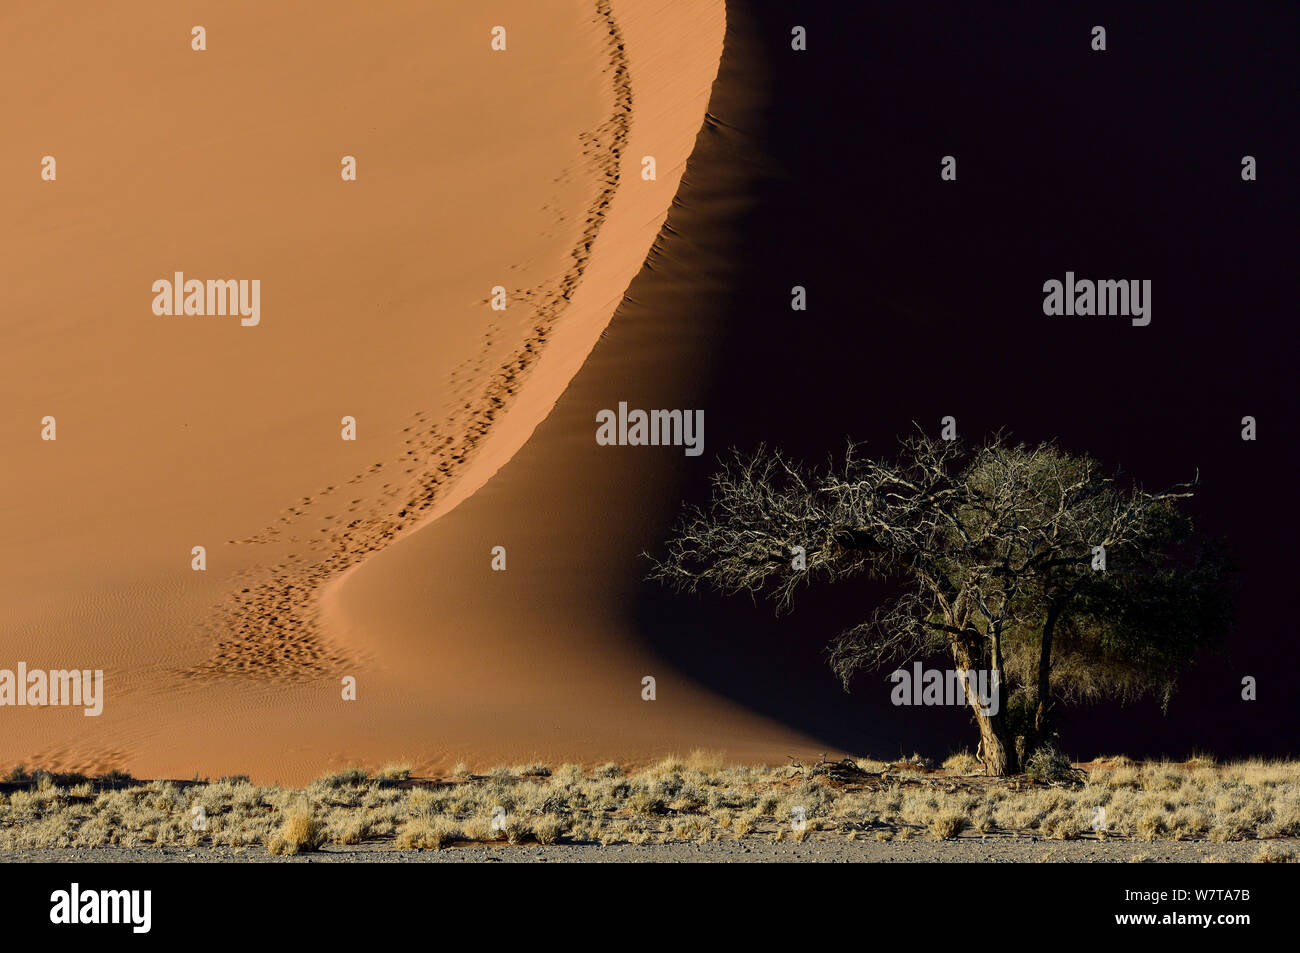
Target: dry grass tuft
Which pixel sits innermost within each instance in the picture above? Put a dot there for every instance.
(420, 833)
(1268, 854)
(963, 762)
(946, 826)
(299, 834)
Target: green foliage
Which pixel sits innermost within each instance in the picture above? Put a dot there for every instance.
(1049, 764)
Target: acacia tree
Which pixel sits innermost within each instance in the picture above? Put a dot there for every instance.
(1001, 550)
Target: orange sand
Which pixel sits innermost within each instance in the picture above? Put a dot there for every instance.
(325, 558)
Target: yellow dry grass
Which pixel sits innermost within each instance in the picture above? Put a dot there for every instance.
(697, 798)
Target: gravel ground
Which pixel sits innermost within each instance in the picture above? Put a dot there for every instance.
(838, 850)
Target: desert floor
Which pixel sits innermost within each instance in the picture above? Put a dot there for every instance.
(963, 850)
(693, 809)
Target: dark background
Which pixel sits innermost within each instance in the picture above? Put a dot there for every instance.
(925, 299)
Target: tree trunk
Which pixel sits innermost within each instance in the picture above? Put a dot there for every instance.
(996, 750)
(998, 753)
(1039, 731)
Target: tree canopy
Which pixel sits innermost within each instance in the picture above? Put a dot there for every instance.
(1066, 581)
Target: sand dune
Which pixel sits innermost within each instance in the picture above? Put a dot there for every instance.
(329, 557)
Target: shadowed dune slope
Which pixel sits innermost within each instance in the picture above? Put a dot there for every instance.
(547, 658)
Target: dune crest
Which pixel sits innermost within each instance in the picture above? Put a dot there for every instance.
(272, 628)
(549, 653)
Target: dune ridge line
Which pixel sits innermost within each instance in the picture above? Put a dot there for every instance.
(271, 627)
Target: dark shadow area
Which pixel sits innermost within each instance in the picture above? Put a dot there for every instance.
(925, 300)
